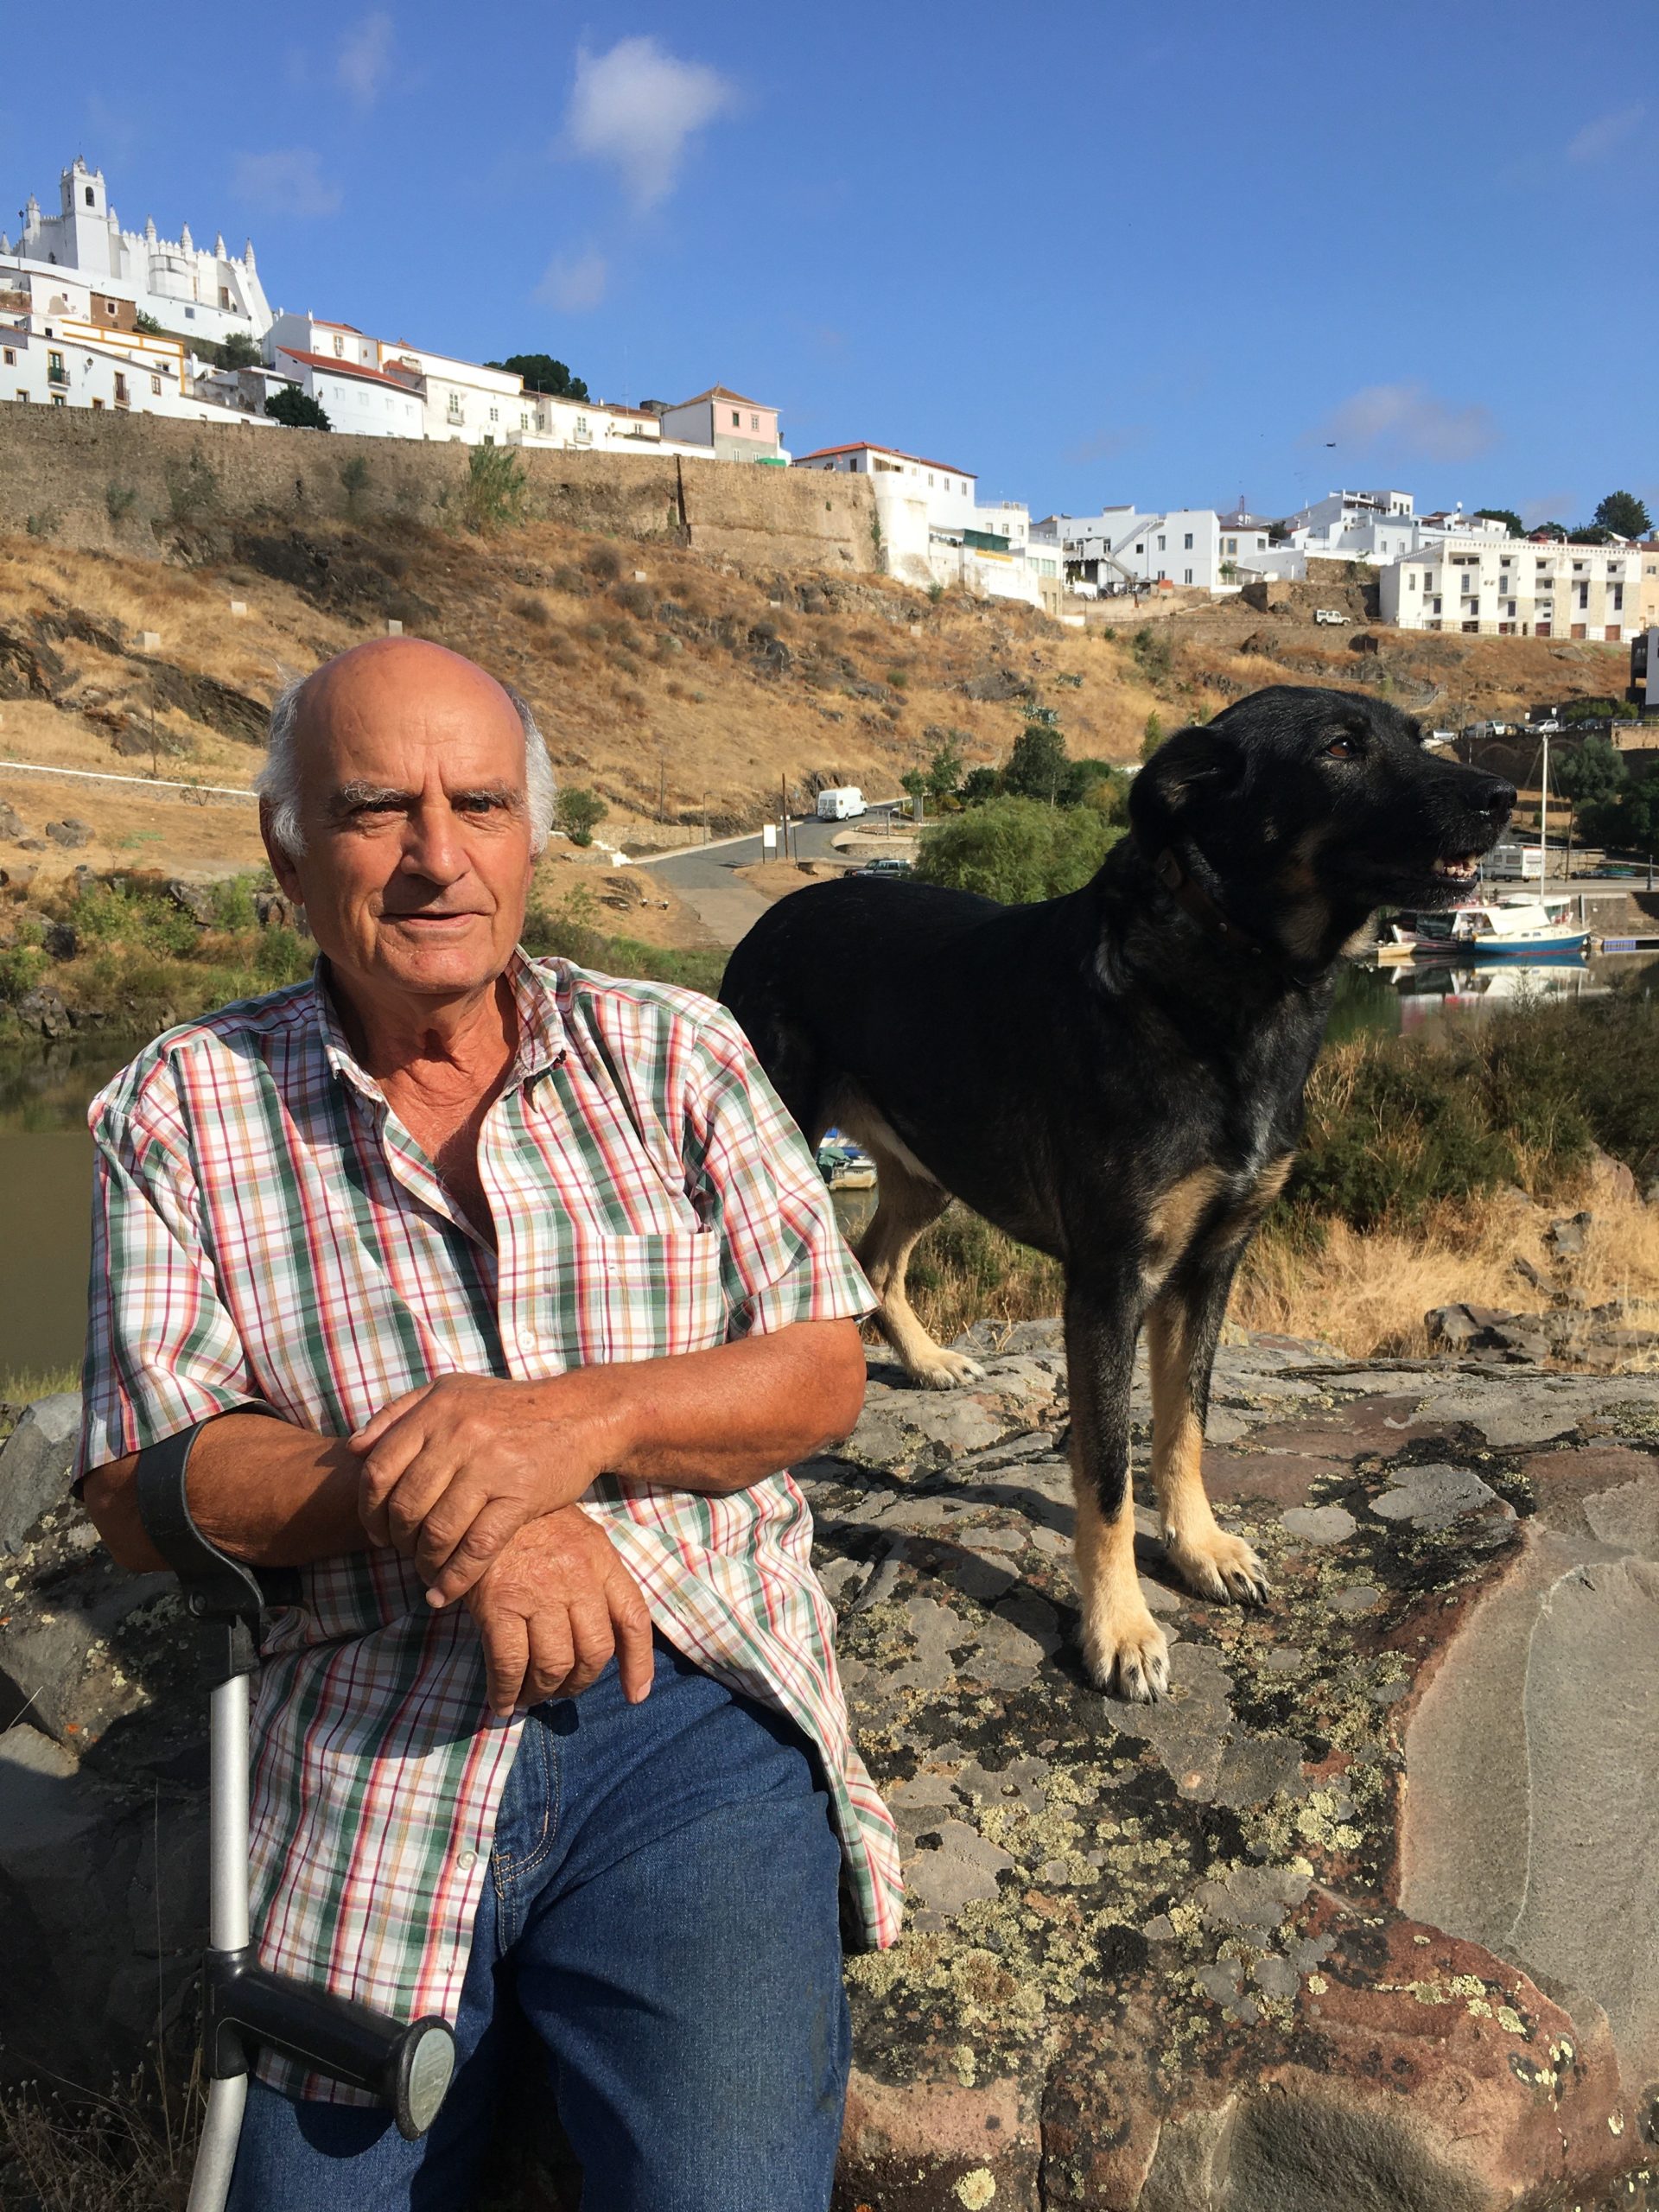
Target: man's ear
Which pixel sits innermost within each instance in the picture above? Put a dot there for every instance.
(1180, 783)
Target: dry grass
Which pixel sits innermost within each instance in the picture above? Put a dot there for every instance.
(129, 2151)
(1369, 1293)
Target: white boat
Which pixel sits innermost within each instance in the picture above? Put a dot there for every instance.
(1519, 925)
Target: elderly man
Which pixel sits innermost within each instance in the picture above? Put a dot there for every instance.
(542, 1290)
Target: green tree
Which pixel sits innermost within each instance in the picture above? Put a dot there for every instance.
(541, 372)
(147, 323)
(1506, 515)
(1592, 533)
(1153, 737)
(1638, 806)
(1589, 776)
(1624, 512)
(1038, 766)
(239, 351)
(943, 770)
(1549, 529)
(913, 783)
(1017, 849)
(353, 480)
(979, 785)
(1099, 784)
(579, 813)
(296, 410)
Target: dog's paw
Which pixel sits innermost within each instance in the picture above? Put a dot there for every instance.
(1129, 1659)
(1215, 1565)
(946, 1370)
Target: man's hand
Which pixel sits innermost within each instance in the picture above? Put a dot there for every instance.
(552, 1607)
(453, 1471)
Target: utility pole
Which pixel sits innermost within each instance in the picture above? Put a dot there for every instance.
(783, 808)
(662, 786)
(1543, 819)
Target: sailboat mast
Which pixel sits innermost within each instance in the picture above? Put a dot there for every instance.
(1543, 819)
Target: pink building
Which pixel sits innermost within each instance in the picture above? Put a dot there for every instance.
(733, 427)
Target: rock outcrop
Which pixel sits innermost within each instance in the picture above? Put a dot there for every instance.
(1362, 1916)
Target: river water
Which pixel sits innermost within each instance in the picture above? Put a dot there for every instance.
(46, 1153)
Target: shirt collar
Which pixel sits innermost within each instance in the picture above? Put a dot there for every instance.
(541, 1030)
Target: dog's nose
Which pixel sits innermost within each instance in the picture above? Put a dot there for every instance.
(1496, 799)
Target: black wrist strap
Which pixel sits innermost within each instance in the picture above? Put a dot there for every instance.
(216, 1586)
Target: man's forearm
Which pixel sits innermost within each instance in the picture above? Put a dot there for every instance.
(262, 1490)
(717, 1420)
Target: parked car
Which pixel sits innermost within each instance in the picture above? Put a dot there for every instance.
(888, 864)
(1330, 614)
(841, 804)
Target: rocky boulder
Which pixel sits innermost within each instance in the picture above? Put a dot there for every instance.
(1360, 1917)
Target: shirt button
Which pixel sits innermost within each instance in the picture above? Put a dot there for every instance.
(527, 1338)
(465, 1861)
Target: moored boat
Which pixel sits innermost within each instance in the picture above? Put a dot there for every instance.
(1517, 926)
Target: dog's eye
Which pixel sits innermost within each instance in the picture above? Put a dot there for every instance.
(1342, 748)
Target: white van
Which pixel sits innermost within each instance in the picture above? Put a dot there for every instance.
(841, 802)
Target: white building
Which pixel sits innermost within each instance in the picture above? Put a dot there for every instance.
(192, 291)
(722, 423)
(1379, 527)
(949, 492)
(61, 361)
(1120, 548)
(355, 397)
(1516, 587)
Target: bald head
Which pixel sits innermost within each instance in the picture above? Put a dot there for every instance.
(391, 683)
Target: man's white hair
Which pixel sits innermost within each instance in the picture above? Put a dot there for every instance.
(278, 782)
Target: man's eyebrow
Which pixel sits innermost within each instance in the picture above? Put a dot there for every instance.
(347, 797)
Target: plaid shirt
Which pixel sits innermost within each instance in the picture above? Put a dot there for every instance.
(266, 1231)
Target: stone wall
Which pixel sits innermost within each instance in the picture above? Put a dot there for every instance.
(128, 483)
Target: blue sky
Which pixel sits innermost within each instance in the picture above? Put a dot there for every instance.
(1095, 253)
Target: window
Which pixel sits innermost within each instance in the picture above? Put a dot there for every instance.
(223, 298)
(340, 349)
(1411, 580)
(1232, 545)
(1187, 575)
(581, 426)
(155, 384)
(11, 357)
(189, 314)
(58, 399)
(1187, 547)
(737, 420)
(1160, 548)
(98, 406)
(495, 414)
(1437, 607)
(1139, 549)
(120, 388)
(523, 422)
(754, 424)
(930, 479)
(91, 200)
(1618, 599)
(1584, 594)
(55, 371)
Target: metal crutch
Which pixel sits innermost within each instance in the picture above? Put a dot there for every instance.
(243, 2004)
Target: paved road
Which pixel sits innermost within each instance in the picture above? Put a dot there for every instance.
(708, 879)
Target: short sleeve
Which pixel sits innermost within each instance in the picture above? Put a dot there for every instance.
(782, 1255)
(161, 1352)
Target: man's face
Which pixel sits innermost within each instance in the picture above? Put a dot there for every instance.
(417, 835)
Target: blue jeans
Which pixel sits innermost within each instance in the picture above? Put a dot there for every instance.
(663, 1908)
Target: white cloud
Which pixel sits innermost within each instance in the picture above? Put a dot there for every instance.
(574, 287)
(364, 62)
(290, 183)
(1411, 420)
(1598, 138)
(636, 107)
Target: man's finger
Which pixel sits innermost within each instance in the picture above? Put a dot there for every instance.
(507, 1657)
(450, 1570)
(386, 1463)
(636, 1656)
(552, 1653)
(362, 1439)
(594, 1642)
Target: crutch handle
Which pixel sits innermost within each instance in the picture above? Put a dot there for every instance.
(245, 2004)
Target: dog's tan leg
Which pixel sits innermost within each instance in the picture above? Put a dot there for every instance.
(1123, 1648)
(1206, 1557)
(908, 1204)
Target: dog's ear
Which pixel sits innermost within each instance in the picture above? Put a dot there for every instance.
(1180, 783)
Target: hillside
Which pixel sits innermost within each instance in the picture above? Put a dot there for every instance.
(680, 686)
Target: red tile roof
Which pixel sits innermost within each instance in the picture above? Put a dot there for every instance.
(344, 368)
(831, 453)
(719, 391)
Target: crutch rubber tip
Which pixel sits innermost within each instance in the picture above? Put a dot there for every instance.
(426, 2059)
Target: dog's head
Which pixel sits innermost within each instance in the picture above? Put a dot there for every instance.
(1305, 811)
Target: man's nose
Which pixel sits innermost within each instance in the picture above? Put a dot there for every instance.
(432, 845)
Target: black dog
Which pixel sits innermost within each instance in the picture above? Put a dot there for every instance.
(1116, 1077)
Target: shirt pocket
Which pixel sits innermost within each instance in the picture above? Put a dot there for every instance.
(652, 1297)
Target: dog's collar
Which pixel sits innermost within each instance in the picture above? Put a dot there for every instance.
(1194, 899)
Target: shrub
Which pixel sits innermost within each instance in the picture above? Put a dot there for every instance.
(22, 967)
(354, 479)
(492, 497)
(296, 410)
(1153, 736)
(569, 933)
(579, 813)
(602, 562)
(1153, 653)
(1017, 849)
(119, 500)
(1038, 766)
